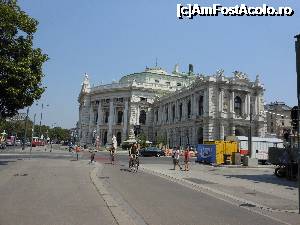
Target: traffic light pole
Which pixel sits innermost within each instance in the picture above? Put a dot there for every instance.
(25, 131)
(250, 152)
(297, 45)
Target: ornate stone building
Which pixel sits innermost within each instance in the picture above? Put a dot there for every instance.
(278, 118)
(176, 108)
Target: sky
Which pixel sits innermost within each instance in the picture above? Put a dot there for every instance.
(109, 39)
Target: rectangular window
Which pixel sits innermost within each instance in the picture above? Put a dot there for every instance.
(180, 111)
(106, 117)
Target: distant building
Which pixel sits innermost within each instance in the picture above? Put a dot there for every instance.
(278, 118)
(176, 108)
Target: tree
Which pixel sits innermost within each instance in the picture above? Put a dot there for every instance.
(20, 64)
(60, 134)
(142, 139)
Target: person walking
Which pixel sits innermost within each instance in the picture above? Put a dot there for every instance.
(186, 158)
(176, 157)
(92, 157)
(112, 155)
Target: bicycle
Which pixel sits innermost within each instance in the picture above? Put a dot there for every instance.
(134, 163)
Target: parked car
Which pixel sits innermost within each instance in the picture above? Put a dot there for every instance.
(152, 151)
(18, 142)
(2, 145)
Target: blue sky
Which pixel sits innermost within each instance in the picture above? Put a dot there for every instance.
(109, 39)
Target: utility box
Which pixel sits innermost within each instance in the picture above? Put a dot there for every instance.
(251, 162)
(236, 158)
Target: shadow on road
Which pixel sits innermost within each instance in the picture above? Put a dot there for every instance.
(266, 178)
(126, 170)
(6, 162)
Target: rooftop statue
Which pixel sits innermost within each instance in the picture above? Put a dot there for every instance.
(220, 73)
(86, 84)
(240, 75)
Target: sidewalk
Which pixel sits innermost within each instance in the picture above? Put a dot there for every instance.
(258, 187)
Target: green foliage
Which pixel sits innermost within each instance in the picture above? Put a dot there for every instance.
(58, 133)
(161, 139)
(17, 128)
(20, 64)
(142, 139)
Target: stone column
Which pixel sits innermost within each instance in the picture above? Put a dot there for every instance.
(205, 101)
(110, 120)
(244, 106)
(137, 122)
(222, 131)
(232, 103)
(221, 100)
(160, 115)
(184, 109)
(99, 121)
(248, 104)
(255, 111)
(258, 104)
(196, 105)
(125, 121)
(91, 121)
(192, 105)
(176, 111)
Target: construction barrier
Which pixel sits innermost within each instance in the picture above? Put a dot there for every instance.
(216, 152)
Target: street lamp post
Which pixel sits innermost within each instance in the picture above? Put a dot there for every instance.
(32, 133)
(250, 153)
(297, 45)
(41, 118)
(25, 132)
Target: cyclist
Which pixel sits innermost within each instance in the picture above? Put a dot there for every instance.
(133, 154)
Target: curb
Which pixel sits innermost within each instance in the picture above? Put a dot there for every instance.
(116, 211)
(211, 191)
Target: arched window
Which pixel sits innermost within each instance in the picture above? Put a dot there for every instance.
(119, 138)
(105, 137)
(189, 109)
(120, 117)
(156, 115)
(96, 118)
(238, 106)
(200, 106)
(200, 135)
(173, 113)
(180, 111)
(142, 118)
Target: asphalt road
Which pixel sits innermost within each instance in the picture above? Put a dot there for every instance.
(47, 191)
(52, 191)
(155, 200)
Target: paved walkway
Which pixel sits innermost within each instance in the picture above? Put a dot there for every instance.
(253, 186)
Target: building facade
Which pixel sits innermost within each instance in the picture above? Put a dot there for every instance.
(171, 108)
(278, 118)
